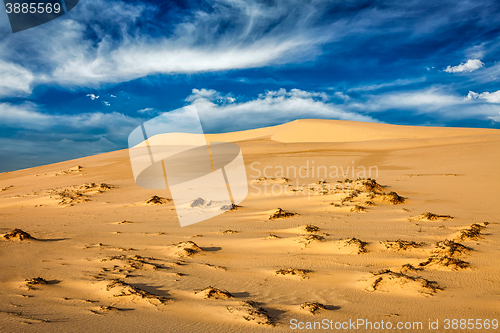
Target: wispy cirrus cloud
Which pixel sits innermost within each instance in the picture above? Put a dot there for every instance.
(15, 80)
(76, 51)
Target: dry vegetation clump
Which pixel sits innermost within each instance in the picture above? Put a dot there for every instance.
(450, 248)
(445, 261)
(393, 198)
(311, 228)
(390, 278)
(226, 232)
(187, 249)
(198, 202)
(302, 273)
(400, 244)
(349, 198)
(229, 207)
(251, 311)
(473, 232)
(70, 197)
(357, 209)
(136, 261)
(77, 194)
(156, 200)
(273, 236)
(371, 185)
(78, 168)
(126, 289)
(357, 243)
(280, 213)
(409, 268)
(6, 188)
(433, 217)
(35, 281)
(214, 293)
(18, 234)
(96, 187)
(312, 307)
(308, 239)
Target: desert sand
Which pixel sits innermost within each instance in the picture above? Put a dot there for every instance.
(414, 238)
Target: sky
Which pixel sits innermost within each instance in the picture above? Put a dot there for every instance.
(78, 85)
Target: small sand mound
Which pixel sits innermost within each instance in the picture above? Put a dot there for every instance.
(187, 249)
(308, 239)
(312, 307)
(388, 281)
(432, 217)
(280, 213)
(125, 289)
(18, 234)
(358, 244)
(35, 281)
(156, 200)
(450, 248)
(311, 228)
(214, 293)
(445, 262)
(301, 273)
(473, 232)
(252, 312)
(399, 245)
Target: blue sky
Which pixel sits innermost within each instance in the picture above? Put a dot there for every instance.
(78, 85)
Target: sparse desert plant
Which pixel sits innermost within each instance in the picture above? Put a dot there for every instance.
(280, 213)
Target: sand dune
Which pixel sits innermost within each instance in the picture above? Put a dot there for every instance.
(84, 249)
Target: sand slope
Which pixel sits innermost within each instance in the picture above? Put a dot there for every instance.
(110, 259)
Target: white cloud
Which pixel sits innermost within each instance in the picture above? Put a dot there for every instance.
(270, 108)
(92, 96)
(145, 110)
(391, 84)
(255, 34)
(496, 118)
(29, 116)
(469, 66)
(15, 80)
(493, 97)
(258, 35)
(210, 95)
(438, 102)
(106, 103)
